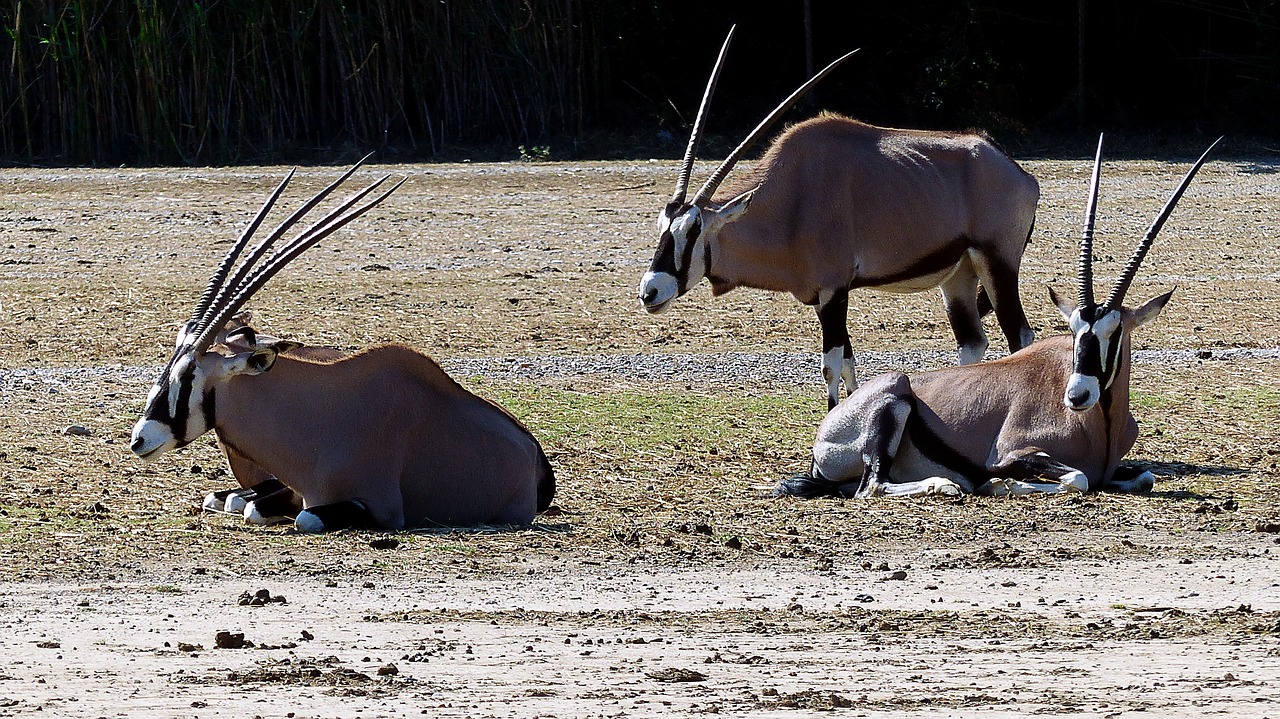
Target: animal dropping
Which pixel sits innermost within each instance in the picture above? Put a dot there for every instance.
(381, 438)
(836, 204)
(1053, 417)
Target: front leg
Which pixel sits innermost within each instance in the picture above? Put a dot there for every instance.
(1130, 480)
(1026, 471)
(837, 350)
(351, 514)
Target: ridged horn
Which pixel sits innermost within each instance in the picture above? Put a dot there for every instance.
(229, 287)
(236, 294)
(224, 268)
(1140, 252)
(1085, 269)
(690, 152)
(709, 189)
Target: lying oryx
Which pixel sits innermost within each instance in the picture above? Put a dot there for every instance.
(380, 438)
(260, 497)
(837, 204)
(1052, 417)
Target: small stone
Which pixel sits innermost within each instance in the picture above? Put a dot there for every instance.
(78, 430)
(230, 640)
(384, 543)
(387, 670)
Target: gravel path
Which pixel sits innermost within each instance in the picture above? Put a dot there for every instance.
(782, 369)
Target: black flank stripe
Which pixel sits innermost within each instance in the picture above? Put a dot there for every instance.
(939, 452)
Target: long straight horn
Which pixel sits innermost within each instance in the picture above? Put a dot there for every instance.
(318, 231)
(1085, 269)
(709, 189)
(690, 152)
(1131, 269)
(258, 251)
(220, 275)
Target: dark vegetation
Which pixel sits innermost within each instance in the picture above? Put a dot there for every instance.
(225, 81)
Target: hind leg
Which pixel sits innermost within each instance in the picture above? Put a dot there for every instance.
(352, 514)
(857, 441)
(960, 294)
(270, 502)
(999, 277)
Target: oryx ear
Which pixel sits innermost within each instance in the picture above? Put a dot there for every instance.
(1151, 309)
(1066, 305)
(282, 346)
(734, 208)
(261, 358)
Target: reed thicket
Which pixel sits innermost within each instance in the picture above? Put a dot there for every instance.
(107, 81)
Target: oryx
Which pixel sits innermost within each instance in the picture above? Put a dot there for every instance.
(837, 204)
(267, 500)
(1052, 417)
(380, 438)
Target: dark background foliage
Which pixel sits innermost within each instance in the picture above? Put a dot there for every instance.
(154, 81)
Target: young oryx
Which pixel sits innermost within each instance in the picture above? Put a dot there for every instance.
(837, 204)
(380, 438)
(1052, 417)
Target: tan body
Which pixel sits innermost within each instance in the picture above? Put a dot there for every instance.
(843, 204)
(388, 428)
(1052, 417)
(991, 415)
(382, 438)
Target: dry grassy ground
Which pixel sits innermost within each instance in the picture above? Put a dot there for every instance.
(1096, 605)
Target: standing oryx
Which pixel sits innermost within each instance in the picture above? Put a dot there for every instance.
(837, 204)
(380, 438)
(1052, 417)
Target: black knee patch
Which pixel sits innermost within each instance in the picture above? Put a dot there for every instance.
(343, 515)
(279, 505)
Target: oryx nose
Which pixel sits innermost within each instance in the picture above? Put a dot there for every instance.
(649, 296)
(137, 444)
(1077, 396)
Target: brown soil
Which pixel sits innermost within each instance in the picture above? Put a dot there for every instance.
(669, 584)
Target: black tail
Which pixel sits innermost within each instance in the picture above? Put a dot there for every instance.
(809, 486)
(984, 302)
(547, 485)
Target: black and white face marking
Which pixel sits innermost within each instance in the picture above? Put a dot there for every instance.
(1098, 336)
(179, 409)
(681, 259)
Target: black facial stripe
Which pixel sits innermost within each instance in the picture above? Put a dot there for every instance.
(1088, 360)
(209, 409)
(1113, 358)
(687, 257)
(664, 260)
(181, 412)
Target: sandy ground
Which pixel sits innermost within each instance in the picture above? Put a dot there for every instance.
(669, 584)
(1083, 639)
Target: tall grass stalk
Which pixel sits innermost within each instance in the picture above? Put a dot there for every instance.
(156, 81)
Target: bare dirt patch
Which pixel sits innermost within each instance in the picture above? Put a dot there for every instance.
(666, 558)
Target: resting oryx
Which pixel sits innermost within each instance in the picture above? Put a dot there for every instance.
(380, 438)
(1052, 417)
(836, 204)
(268, 500)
